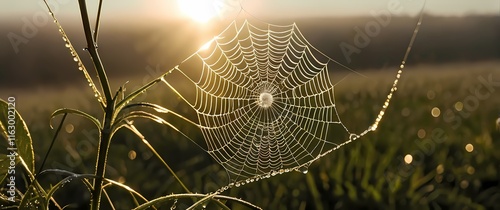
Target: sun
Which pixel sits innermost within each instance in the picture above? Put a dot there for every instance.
(199, 10)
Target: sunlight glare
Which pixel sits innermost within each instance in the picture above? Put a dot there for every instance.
(199, 10)
(208, 44)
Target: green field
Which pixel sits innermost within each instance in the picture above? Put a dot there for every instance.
(442, 115)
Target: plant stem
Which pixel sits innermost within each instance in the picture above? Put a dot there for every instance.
(97, 21)
(102, 156)
(106, 130)
(91, 46)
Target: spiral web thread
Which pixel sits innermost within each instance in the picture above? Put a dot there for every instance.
(265, 101)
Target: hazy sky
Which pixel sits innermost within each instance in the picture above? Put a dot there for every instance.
(264, 8)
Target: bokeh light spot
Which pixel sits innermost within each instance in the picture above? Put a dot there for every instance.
(471, 170)
(431, 94)
(440, 169)
(421, 133)
(132, 155)
(459, 106)
(464, 184)
(69, 128)
(469, 147)
(121, 179)
(435, 112)
(408, 159)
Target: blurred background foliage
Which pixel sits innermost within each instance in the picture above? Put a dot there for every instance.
(453, 166)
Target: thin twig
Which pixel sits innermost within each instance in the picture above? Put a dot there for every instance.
(97, 21)
(52, 143)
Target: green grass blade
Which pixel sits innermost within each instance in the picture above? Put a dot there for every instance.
(84, 178)
(127, 99)
(23, 144)
(134, 130)
(163, 199)
(136, 93)
(105, 192)
(4, 167)
(34, 198)
(311, 183)
(201, 202)
(76, 58)
(160, 109)
(76, 112)
(124, 120)
(127, 188)
(64, 181)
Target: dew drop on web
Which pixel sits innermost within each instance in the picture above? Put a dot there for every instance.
(304, 170)
(353, 136)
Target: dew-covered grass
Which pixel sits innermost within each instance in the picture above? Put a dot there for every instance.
(454, 158)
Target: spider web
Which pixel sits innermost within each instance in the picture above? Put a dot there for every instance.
(265, 101)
